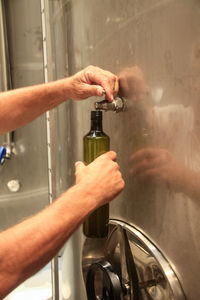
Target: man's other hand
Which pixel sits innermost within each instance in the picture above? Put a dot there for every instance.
(101, 178)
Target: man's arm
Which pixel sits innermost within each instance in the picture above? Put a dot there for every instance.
(28, 246)
(21, 106)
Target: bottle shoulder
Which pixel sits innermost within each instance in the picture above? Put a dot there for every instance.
(96, 134)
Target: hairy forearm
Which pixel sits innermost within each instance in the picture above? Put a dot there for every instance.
(28, 246)
(21, 106)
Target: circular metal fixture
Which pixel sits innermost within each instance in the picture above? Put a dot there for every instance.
(130, 267)
(111, 288)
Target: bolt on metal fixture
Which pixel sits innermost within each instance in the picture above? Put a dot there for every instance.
(14, 185)
(117, 105)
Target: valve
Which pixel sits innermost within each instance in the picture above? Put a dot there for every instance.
(117, 105)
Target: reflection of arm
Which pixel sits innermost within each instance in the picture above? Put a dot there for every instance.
(143, 101)
(159, 166)
(190, 184)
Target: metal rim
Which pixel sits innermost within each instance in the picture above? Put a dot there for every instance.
(168, 272)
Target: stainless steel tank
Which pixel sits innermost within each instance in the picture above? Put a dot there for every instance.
(24, 177)
(31, 53)
(154, 48)
(152, 251)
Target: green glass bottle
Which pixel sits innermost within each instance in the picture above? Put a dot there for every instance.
(95, 143)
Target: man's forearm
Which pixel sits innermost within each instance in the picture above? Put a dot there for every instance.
(28, 246)
(21, 106)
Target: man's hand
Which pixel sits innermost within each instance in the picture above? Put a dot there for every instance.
(91, 82)
(101, 178)
(21, 106)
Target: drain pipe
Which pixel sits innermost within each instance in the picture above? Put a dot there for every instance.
(50, 125)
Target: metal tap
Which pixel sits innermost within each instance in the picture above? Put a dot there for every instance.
(117, 105)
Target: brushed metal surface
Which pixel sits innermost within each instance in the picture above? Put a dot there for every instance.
(161, 38)
(29, 164)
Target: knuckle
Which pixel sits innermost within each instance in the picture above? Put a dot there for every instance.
(116, 166)
(106, 80)
(88, 72)
(89, 67)
(112, 152)
(122, 183)
(102, 157)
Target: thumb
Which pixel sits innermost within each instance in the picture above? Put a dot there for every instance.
(79, 165)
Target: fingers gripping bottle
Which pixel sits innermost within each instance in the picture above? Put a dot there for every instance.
(95, 143)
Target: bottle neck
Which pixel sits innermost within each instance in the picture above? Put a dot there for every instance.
(96, 125)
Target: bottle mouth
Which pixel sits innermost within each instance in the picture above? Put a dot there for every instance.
(96, 114)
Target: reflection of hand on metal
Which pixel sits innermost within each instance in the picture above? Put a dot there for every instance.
(132, 84)
(158, 166)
